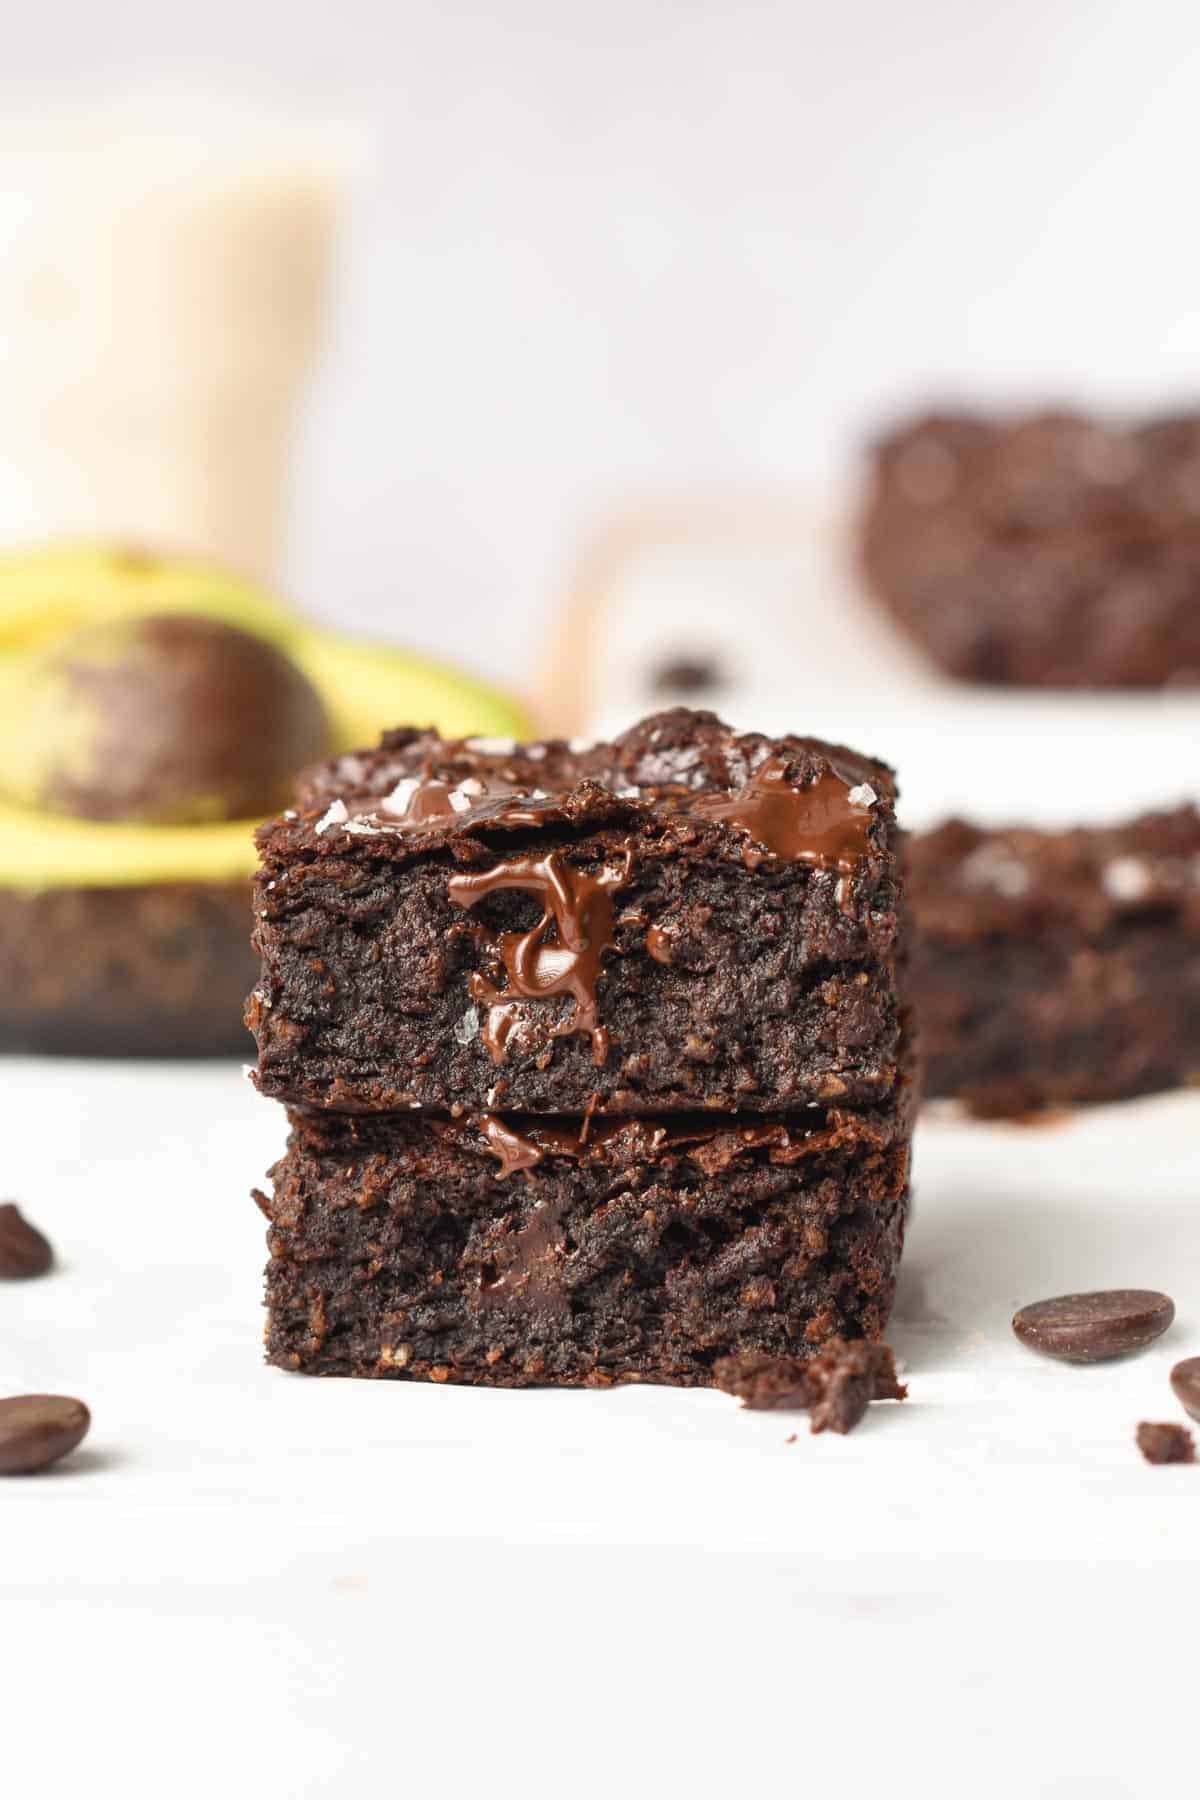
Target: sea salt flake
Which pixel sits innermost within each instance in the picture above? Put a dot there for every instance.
(398, 800)
(335, 814)
(992, 867)
(862, 795)
(468, 1026)
(492, 746)
(1126, 878)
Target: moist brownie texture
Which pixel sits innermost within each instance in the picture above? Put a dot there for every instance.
(512, 1251)
(1049, 550)
(157, 970)
(685, 918)
(1055, 969)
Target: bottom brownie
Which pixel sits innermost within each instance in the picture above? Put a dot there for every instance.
(516, 1251)
(156, 970)
(1057, 968)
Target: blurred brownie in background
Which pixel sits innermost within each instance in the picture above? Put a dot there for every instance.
(1057, 969)
(1051, 550)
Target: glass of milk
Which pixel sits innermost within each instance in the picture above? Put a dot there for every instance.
(162, 284)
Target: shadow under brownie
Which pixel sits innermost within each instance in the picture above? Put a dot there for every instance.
(517, 1251)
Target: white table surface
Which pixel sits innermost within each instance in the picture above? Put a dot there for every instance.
(253, 1583)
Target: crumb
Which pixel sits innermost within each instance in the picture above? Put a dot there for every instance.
(1166, 1443)
(791, 1438)
(835, 1386)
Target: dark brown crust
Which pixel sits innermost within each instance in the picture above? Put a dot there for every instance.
(159, 970)
(398, 1249)
(1051, 550)
(1057, 969)
(771, 982)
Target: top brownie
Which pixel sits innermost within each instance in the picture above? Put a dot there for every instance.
(1051, 550)
(686, 917)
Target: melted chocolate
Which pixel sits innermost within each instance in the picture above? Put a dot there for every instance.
(561, 954)
(517, 1151)
(532, 1273)
(658, 945)
(814, 824)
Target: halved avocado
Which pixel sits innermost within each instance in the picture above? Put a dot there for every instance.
(365, 688)
(125, 937)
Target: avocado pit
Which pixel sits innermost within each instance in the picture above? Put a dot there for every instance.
(164, 719)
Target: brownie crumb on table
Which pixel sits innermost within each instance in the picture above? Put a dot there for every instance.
(835, 1386)
(1166, 1443)
(1057, 969)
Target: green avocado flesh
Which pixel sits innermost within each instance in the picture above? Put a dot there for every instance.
(366, 688)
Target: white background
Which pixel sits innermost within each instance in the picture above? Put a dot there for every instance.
(601, 249)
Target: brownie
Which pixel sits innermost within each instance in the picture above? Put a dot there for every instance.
(684, 918)
(1050, 550)
(1054, 969)
(514, 1251)
(835, 1386)
(153, 970)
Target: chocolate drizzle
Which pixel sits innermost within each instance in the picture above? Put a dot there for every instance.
(515, 1150)
(561, 954)
(818, 824)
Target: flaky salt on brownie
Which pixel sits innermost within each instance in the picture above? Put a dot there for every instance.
(512, 1251)
(685, 918)
(1057, 968)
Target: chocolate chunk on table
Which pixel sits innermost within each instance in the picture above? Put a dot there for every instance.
(24, 1252)
(1093, 1327)
(686, 917)
(1051, 550)
(37, 1430)
(1185, 1382)
(1168, 1443)
(516, 1251)
(1057, 968)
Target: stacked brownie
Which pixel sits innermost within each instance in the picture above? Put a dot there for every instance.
(594, 1059)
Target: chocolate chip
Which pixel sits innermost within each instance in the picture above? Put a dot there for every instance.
(1165, 1443)
(1185, 1379)
(686, 676)
(37, 1429)
(1092, 1327)
(23, 1251)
